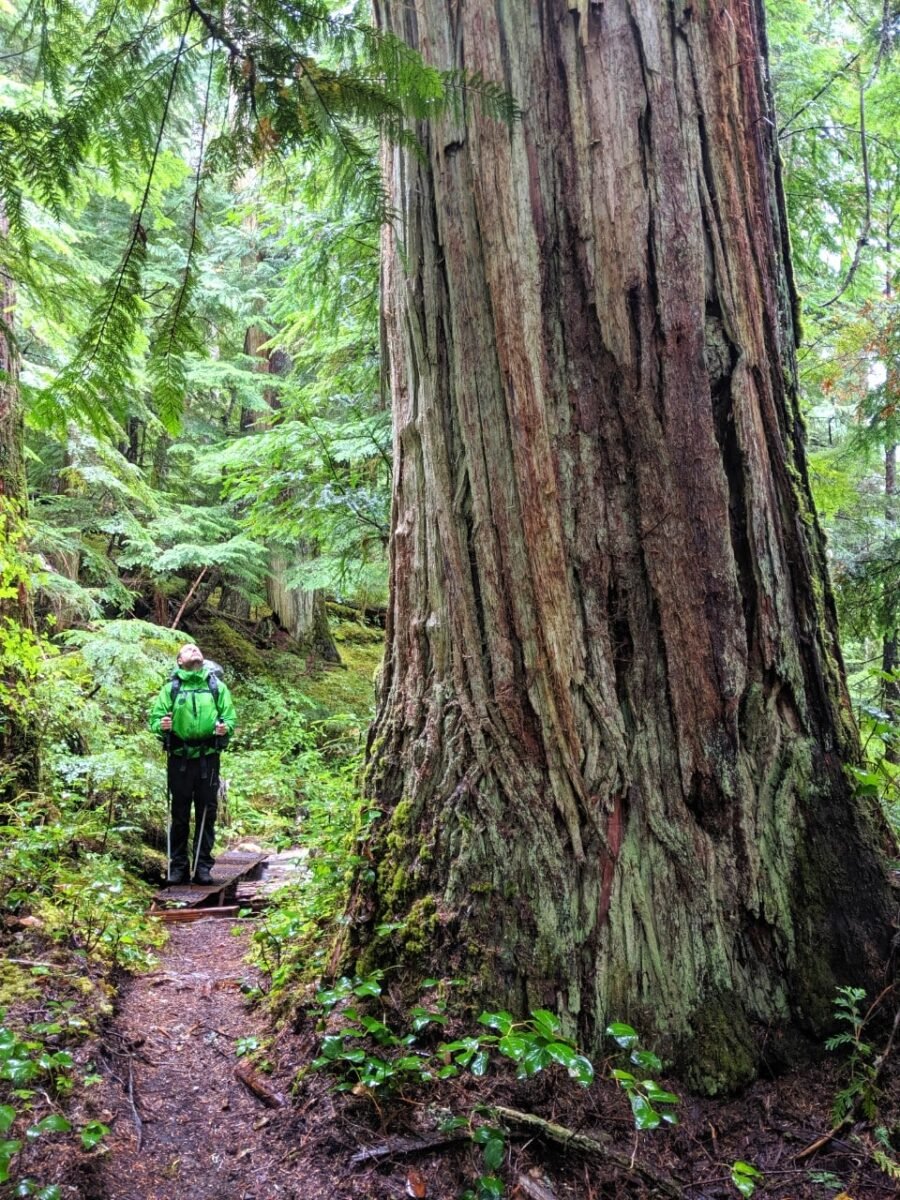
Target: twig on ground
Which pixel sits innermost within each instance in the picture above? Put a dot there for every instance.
(33, 962)
(402, 1145)
(138, 1123)
(254, 1083)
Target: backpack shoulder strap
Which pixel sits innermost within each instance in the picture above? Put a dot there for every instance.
(174, 688)
(212, 682)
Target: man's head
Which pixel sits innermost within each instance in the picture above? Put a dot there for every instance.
(190, 657)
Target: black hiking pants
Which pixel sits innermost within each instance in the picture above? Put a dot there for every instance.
(193, 783)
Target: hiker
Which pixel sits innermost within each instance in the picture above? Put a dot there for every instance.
(194, 715)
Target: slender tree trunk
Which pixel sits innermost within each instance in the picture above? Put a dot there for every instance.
(889, 647)
(613, 719)
(19, 758)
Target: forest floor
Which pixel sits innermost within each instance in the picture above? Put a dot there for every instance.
(183, 1124)
(206, 1098)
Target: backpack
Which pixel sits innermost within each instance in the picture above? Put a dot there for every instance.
(213, 674)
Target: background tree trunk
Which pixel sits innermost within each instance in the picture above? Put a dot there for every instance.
(613, 716)
(302, 613)
(889, 658)
(19, 758)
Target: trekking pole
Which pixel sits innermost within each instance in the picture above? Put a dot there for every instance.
(199, 842)
(166, 743)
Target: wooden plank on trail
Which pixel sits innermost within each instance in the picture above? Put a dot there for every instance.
(170, 915)
(231, 866)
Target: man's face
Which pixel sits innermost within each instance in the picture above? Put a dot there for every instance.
(190, 658)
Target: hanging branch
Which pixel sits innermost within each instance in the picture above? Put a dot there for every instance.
(138, 229)
(863, 239)
(195, 207)
(824, 88)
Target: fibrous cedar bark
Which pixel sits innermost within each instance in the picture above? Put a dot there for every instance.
(613, 721)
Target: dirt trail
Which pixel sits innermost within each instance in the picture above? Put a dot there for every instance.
(201, 1132)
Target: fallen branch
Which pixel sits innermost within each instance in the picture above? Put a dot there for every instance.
(587, 1145)
(34, 962)
(254, 1083)
(406, 1145)
(533, 1188)
(184, 604)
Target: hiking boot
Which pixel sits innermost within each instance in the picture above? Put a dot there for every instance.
(178, 878)
(203, 876)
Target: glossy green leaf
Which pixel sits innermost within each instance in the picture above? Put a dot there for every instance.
(93, 1133)
(658, 1095)
(501, 1021)
(546, 1023)
(645, 1115)
(624, 1035)
(582, 1069)
(745, 1177)
(8, 1150)
(646, 1059)
(494, 1152)
(53, 1123)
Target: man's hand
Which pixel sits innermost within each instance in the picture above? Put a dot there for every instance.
(166, 724)
(221, 728)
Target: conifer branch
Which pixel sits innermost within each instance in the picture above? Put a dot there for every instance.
(137, 228)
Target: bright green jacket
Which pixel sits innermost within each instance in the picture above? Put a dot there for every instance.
(194, 714)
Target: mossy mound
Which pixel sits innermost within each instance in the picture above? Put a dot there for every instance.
(17, 985)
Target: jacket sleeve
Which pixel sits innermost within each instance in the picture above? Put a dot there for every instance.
(161, 705)
(226, 708)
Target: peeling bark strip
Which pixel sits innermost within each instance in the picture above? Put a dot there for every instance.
(613, 713)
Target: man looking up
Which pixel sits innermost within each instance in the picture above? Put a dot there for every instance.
(194, 715)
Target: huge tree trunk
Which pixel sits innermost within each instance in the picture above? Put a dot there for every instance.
(613, 718)
(19, 762)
